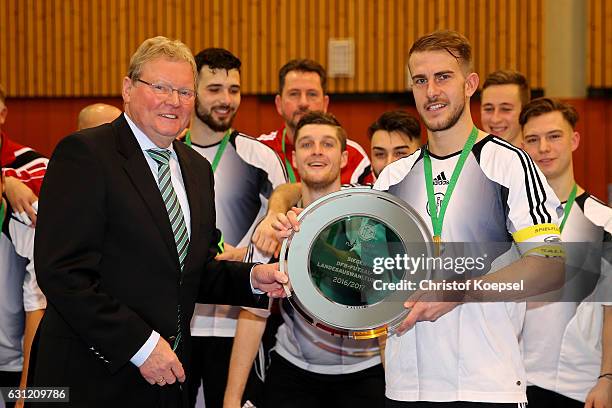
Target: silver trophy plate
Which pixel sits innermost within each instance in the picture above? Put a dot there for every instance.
(334, 262)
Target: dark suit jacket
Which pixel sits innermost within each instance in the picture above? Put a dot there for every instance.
(107, 261)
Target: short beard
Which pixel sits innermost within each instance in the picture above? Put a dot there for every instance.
(210, 121)
(449, 123)
(318, 185)
(321, 185)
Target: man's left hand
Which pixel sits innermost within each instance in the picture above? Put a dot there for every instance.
(264, 237)
(425, 306)
(286, 224)
(600, 395)
(267, 278)
(22, 200)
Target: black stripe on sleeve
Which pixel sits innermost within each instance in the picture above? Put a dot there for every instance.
(536, 195)
(541, 205)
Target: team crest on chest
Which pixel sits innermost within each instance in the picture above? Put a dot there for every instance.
(438, 197)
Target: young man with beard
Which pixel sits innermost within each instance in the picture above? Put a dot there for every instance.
(504, 93)
(245, 171)
(309, 367)
(465, 351)
(568, 358)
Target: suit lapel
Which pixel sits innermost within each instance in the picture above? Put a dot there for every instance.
(144, 183)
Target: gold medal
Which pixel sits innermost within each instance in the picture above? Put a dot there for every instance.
(437, 240)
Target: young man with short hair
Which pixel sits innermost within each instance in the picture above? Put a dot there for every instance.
(568, 358)
(504, 93)
(464, 350)
(395, 134)
(309, 367)
(448, 352)
(245, 171)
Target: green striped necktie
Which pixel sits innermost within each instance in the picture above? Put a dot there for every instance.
(177, 220)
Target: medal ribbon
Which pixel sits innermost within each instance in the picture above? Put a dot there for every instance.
(437, 219)
(220, 150)
(568, 206)
(214, 165)
(290, 172)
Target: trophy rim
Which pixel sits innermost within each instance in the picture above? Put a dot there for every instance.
(316, 308)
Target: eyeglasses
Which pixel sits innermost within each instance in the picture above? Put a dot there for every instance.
(185, 95)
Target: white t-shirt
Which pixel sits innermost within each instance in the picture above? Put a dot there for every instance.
(471, 353)
(561, 341)
(19, 291)
(247, 174)
(312, 349)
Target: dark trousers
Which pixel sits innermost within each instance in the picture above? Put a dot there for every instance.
(9, 379)
(542, 398)
(288, 386)
(448, 404)
(210, 357)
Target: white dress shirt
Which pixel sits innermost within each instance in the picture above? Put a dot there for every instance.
(179, 187)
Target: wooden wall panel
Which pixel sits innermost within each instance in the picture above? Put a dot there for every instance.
(82, 47)
(599, 48)
(41, 123)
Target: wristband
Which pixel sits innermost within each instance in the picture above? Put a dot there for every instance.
(605, 375)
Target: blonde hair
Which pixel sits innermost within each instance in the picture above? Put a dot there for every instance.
(446, 40)
(157, 47)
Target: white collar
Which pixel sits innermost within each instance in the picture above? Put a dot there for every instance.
(143, 140)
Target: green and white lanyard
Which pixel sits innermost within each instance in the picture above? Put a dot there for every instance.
(437, 219)
(214, 165)
(288, 166)
(220, 150)
(568, 206)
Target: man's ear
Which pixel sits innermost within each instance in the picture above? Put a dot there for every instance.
(126, 89)
(575, 141)
(325, 102)
(278, 103)
(471, 84)
(344, 159)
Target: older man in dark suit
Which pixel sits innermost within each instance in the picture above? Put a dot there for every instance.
(126, 242)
